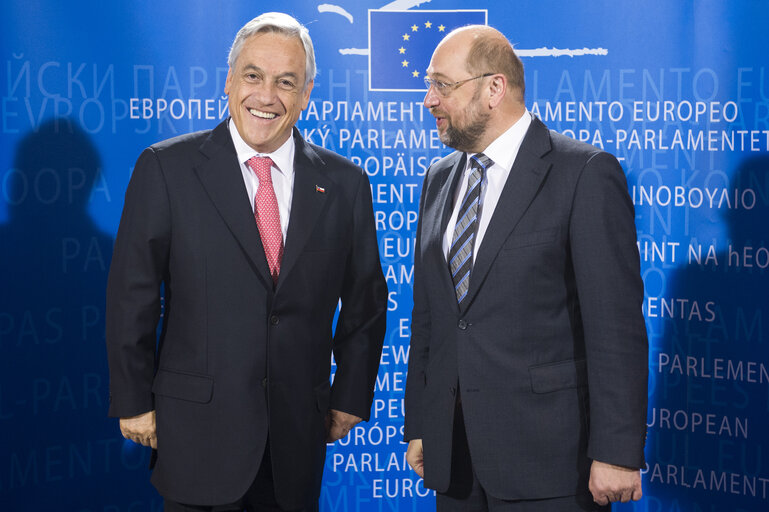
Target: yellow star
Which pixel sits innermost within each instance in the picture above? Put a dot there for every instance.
(441, 28)
(428, 24)
(406, 37)
(415, 73)
(401, 50)
(414, 28)
(405, 63)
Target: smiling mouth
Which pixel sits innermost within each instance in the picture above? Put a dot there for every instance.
(262, 115)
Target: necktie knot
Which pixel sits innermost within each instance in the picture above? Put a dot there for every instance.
(480, 161)
(262, 167)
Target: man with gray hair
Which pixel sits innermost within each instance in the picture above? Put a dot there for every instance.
(526, 386)
(254, 236)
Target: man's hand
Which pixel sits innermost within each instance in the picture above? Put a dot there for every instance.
(339, 424)
(610, 483)
(140, 429)
(415, 457)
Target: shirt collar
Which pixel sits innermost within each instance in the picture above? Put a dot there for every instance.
(504, 148)
(283, 157)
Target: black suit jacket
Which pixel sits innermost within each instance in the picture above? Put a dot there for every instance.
(550, 350)
(236, 359)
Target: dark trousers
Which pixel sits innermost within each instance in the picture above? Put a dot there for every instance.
(260, 497)
(465, 493)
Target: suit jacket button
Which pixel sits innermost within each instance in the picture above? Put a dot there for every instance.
(274, 320)
(264, 383)
(462, 324)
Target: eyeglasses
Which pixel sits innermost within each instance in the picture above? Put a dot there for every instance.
(444, 89)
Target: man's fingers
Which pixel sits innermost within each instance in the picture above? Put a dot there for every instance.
(626, 495)
(606, 496)
(417, 465)
(339, 424)
(142, 440)
(336, 432)
(611, 483)
(419, 468)
(139, 437)
(415, 457)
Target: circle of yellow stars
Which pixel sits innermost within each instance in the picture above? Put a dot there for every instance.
(407, 37)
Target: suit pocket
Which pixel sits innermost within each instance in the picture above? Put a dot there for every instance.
(184, 386)
(323, 396)
(546, 378)
(516, 241)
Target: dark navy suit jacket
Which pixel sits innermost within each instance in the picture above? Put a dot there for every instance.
(550, 350)
(236, 358)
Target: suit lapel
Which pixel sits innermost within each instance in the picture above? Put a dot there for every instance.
(440, 213)
(448, 190)
(223, 182)
(306, 204)
(526, 176)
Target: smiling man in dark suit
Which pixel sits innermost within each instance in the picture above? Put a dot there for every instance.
(527, 375)
(255, 236)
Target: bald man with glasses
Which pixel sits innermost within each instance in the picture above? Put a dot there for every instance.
(528, 368)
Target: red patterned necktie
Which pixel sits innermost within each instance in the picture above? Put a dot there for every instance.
(267, 214)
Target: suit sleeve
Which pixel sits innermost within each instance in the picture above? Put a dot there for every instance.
(362, 320)
(139, 264)
(610, 290)
(419, 349)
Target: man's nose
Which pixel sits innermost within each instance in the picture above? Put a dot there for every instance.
(431, 98)
(266, 92)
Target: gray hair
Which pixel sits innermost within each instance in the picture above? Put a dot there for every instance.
(280, 23)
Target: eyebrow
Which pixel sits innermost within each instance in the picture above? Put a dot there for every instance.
(252, 67)
(439, 76)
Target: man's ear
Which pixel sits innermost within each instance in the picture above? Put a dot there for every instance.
(228, 82)
(306, 94)
(497, 90)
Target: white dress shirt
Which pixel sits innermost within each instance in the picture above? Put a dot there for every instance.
(502, 152)
(282, 173)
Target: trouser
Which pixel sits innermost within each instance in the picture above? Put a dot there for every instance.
(260, 496)
(466, 494)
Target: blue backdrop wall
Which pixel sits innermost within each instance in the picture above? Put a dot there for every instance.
(679, 91)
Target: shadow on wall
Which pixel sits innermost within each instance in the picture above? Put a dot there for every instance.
(710, 407)
(66, 454)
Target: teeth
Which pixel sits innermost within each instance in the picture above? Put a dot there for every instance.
(263, 115)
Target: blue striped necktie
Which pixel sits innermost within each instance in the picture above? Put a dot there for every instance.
(461, 250)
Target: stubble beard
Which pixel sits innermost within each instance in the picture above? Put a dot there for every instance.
(467, 138)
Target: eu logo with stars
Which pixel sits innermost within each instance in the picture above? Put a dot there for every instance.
(402, 42)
